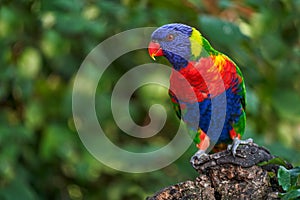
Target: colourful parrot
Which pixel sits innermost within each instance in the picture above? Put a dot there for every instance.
(200, 76)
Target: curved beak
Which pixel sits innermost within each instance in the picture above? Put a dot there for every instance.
(154, 49)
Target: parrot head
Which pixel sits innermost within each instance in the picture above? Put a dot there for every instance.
(179, 43)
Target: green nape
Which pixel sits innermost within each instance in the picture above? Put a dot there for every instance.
(208, 48)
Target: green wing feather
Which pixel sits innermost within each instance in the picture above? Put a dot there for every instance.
(242, 88)
(176, 105)
(239, 127)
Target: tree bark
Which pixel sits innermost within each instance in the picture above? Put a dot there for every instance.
(223, 176)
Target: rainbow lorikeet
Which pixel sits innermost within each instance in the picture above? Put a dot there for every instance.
(200, 76)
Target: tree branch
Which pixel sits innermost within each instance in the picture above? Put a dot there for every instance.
(222, 176)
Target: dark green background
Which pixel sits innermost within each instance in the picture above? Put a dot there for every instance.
(42, 44)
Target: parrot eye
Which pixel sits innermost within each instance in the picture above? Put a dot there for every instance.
(170, 37)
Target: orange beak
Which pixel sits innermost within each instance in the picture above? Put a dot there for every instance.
(154, 49)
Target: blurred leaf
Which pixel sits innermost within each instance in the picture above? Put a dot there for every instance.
(286, 101)
(252, 102)
(9, 22)
(29, 63)
(53, 44)
(74, 191)
(216, 29)
(16, 190)
(267, 45)
(71, 24)
(34, 115)
(53, 139)
(72, 5)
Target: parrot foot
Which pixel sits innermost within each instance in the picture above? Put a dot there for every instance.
(199, 157)
(236, 142)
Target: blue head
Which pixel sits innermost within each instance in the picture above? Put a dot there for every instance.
(174, 41)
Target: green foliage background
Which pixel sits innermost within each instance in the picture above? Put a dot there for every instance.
(42, 44)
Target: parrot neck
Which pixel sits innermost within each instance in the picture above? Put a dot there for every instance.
(205, 51)
(208, 48)
(176, 61)
(179, 62)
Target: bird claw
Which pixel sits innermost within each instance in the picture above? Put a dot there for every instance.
(236, 142)
(199, 157)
